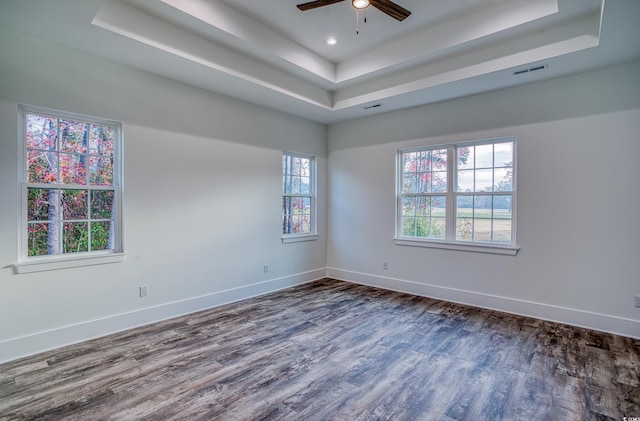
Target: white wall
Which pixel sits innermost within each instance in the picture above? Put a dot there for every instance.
(202, 199)
(578, 225)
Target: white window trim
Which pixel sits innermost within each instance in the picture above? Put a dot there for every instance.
(456, 245)
(46, 263)
(469, 246)
(307, 236)
(298, 238)
(30, 264)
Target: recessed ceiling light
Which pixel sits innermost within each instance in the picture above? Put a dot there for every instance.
(332, 41)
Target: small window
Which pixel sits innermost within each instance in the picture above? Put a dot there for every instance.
(458, 194)
(298, 197)
(71, 185)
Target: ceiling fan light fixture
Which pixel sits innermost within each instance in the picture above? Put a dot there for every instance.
(360, 4)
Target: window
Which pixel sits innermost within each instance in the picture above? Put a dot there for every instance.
(71, 186)
(458, 196)
(298, 197)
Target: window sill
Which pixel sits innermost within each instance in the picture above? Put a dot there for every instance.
(475, 247)
(298, 238)
(66, 262)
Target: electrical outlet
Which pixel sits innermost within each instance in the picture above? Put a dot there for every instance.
(637, 301)
(385, 265)
(144, 291)
(265, 268)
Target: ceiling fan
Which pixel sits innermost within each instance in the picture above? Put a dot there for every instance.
(386, 6)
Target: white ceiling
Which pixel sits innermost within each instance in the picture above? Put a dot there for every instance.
(270, 53)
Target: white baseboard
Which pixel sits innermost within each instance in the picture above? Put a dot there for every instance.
(594, 321)
(24, 346)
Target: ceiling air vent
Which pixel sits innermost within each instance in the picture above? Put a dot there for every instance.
(368, 107)
(530, 69)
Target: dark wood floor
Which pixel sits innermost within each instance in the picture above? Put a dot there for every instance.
(331, 350)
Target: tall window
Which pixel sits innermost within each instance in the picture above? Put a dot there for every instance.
(461, 193)
(298, 195)
(71, 188)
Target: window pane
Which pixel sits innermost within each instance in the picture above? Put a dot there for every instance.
(38, 238)
(466, 157)
(410, 183)
(42, 204)
(409, 206)
(409, 227)
(101, 140)
(503, 154)
(439, 160)
(409, 162)
(100, 235)
(438, 228)
(502, 214)
(287, 184)
(73, 136)
(464, 218)
(74, 204)
(42, 167)
(503, 179)
(297, 185)
(482, 207)
(299, 166)
(295, 167)
(101, 171)
(466, 181)
(439, 182)
(305, 187)
(423, 182)
(464, 229)
(423, 206)
(101, 204)
(482, 218)
(423, 161)
(482, 230)
(41, 132)
(75, 237)
(72, 169)
(437, 222)
(484, 180)
(484, 156)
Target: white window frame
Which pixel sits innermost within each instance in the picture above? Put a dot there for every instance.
(313, 234)
(449, 242)
(29, 264)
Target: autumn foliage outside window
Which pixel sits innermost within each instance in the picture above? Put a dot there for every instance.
(298, 194)
(71, 185)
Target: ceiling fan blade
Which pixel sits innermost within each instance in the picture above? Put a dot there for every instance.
(315, 4)
(390, 8)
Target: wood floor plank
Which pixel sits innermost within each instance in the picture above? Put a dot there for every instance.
(331, 350)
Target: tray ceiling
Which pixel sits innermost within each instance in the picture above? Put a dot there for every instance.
(272, 54)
